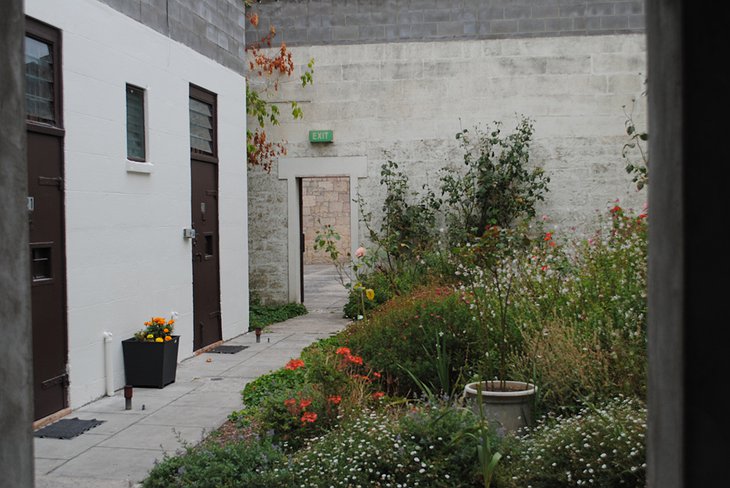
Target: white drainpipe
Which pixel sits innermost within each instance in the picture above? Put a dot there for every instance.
(108, 369)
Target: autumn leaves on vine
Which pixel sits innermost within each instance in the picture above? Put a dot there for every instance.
(268, 66)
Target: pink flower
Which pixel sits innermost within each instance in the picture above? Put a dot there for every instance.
(360, 252)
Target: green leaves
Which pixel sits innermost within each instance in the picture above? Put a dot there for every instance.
(634, 152)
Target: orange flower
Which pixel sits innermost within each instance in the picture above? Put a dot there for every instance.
(165, 330)
(309, 417)
(168, 338)
(378, 395)
(334, 399)
(294, 364)
(342, 350)
(354, 359)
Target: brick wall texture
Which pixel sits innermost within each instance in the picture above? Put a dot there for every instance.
(308, 22)
(214, 28)
(325, 201)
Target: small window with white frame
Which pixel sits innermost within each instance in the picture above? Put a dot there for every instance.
(136, 136)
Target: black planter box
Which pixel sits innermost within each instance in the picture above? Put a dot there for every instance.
(150, 364)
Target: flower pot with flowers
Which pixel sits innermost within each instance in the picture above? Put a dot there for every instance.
(150, 357)
(490, 270)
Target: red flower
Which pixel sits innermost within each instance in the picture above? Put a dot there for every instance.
(305, 403)
(378, 395)
(294, 364)
(334, 399)
(354, 359)
(342, 350)
(616, 209)
(548, 236)
(309, 417)
(291, 405)
(376, 374)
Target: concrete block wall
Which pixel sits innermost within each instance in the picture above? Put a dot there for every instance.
(325, 201)
(214, 28)
(406, 101)
(301, 22)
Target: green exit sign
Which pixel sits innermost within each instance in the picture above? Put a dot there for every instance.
(321, 136)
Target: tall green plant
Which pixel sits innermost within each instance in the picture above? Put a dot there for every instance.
(499, 187)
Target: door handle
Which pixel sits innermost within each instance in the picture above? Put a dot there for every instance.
(199, 257)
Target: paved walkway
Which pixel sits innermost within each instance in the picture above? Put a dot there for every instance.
(121, 451)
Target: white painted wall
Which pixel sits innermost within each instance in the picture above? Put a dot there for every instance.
(127, 259)
(406, 101)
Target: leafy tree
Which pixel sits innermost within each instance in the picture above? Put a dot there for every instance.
(269, 69)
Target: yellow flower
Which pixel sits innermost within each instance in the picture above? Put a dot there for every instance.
(159, 339)
(150, 336)
(370, 293)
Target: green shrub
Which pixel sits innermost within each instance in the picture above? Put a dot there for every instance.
(410, 332)
(262, 315)
(308, 396)
(253, 464)
(602, 447)
(281, 380)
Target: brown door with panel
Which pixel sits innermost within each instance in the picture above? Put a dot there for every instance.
(204, 194)
(46, 217)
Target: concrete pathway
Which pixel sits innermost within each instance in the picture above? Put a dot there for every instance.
(121, 451)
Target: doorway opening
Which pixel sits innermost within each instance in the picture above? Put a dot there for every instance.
(295, 171)
(324, 201)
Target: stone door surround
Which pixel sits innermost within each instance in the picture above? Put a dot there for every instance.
(290, 169)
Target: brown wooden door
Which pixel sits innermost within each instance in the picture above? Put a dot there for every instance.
(204, 193)
(46, 218)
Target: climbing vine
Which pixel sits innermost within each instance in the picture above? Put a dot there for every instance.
(635, 151)
(269, 67)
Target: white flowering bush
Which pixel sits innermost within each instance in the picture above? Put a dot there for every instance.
(423, 449)
(569, 315)
(600, 446)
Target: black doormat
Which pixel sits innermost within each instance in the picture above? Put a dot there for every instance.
(67, 428)
(228, 349)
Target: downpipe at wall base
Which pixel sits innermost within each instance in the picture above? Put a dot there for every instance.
(108, 368)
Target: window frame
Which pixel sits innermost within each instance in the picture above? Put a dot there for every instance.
(144, 158)
(202, 95)
(48, 34)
